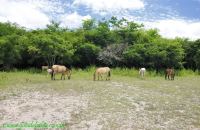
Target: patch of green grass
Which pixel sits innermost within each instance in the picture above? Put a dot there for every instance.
(38, 76)
(185, 72)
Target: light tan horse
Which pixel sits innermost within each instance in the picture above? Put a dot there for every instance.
(102, 71)
(45, 67)
(60, 69)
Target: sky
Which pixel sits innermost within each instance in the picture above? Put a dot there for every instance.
(173, 18)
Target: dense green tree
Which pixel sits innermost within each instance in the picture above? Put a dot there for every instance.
(95, 43)
(86, 54)
(159, 54)
(191, 58)
(89, 24)
(10, 53)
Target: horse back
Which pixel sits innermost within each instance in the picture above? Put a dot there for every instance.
(170, 72)
(45, 67)
(102, 69)
(59, 68)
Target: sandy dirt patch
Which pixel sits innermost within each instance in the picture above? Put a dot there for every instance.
(38, 106)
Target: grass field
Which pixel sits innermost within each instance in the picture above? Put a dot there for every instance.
(125, 102)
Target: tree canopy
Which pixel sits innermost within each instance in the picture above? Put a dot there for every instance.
(113, 42)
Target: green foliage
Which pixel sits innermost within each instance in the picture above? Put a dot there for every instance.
(192, 57)
(9, 29)
(185, 72)
(89, 24)
(86, 54)
(161, 53)
(9, 51)
(95, 43)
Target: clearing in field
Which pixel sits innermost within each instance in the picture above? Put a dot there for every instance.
(121, 103)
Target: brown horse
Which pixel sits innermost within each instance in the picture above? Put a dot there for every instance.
(169, 74)
(102, 71)
(60, 69)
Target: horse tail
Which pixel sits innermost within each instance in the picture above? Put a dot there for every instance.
(109, 73)
(52, 73)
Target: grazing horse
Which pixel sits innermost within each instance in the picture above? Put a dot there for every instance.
(49, 72)
(102, 70)
(60, 69)
(142, 72)
(45, 67)
(169, 74)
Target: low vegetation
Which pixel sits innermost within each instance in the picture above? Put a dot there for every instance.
(125, 102)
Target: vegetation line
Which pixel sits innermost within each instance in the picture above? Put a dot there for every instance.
(114, 43)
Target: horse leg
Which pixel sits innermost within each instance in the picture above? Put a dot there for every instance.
(54, 76)
(109, 75)
(101, 76)
(172, 77)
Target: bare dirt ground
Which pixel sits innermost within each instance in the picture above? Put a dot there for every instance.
(88, 105)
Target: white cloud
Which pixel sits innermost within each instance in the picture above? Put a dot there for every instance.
(110, 6)
(28, 13)
(73, 20)
(172, 28)
(50, 6)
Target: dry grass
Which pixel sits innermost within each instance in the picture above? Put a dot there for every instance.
(125, 102)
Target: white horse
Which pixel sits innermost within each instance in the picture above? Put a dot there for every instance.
(142, 72)
(45, 67)
(49, 71)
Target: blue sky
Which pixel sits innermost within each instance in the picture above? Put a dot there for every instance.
(171, 17)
